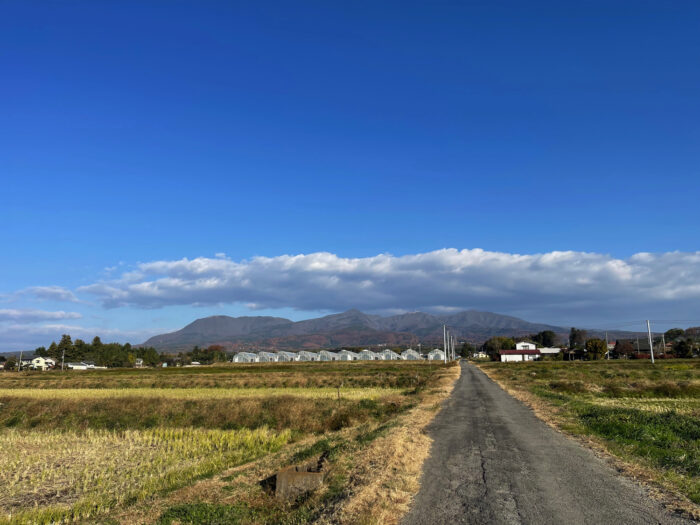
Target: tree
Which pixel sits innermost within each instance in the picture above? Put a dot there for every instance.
(596, 348)
(493, 345)
(683, 348)
(466, 350)
(11, 363)
(546, 338)
(673, 334)
(577, 338)
(41, 352)
(623, 348)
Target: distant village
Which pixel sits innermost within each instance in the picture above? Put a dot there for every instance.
(79, 355)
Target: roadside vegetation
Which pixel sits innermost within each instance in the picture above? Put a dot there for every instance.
(648, 415)
(137, 446)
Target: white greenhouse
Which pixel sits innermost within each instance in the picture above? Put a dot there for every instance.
(325, 355)
(285, 357)
(368, 355)
(245, 357)
(411, 355)
(267, 357)
(347, 355)
(307, 356)
(436, 355)
(389, 355)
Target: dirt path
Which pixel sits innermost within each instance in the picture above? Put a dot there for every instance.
(494, 462)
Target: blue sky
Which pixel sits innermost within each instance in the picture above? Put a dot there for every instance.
(139, 133)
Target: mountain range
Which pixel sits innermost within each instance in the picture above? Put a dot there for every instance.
(351, 328)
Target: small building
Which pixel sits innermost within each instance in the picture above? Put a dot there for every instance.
(389, 355)
(267, 357)
(509, 356)
(436, 355)
(549, 351)
(304, 355)
(76, 366)
(245, 357)
(368, 355)
(138, 363)
(347, 355)
(325, 355)
(41, 363)
(480, 355)
(411, 355)
(286, 357)
(522, 345)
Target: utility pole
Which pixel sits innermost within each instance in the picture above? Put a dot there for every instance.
(63, 358)
(19, 368)
(651, 343)
(444, 341)
(663, 343)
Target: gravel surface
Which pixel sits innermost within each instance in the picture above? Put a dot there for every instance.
(493, 461)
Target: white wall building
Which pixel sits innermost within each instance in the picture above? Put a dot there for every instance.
(522, 345)
(509, 356)
(549, 351)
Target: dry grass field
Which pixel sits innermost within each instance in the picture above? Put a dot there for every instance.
(647, 415)
(131, 446)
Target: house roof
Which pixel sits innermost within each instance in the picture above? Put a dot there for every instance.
(519, 352)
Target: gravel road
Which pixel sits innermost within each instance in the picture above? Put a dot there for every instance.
(494, 462)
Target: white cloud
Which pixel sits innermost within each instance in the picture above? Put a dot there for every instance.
(26, 315)
(49, 293)
(550, 286)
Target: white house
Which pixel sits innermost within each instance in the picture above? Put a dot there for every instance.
(41, 363)
(267, 357)
(285, 357)
(410, 355)
(245, 357)
(368, 355)
(138, 362)
(325, 355)
(347, 355)
(436, 355)
(307, 356)
(528, 354)
(522, 345)
(480, 355)
(389, 355)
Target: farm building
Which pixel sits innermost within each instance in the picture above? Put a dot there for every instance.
(76, 366)
(436, 355)
(245, 357)
(368, 355)
(42, 363)
(325, 355)
(267, 357)
(307, 356)
(347, 355)
(549, 351)
(411, 355)
(522, 345)
(285, 357)
(509, 356)
(389, 355)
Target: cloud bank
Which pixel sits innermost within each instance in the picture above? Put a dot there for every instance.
(552, 286)
(24, 315)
